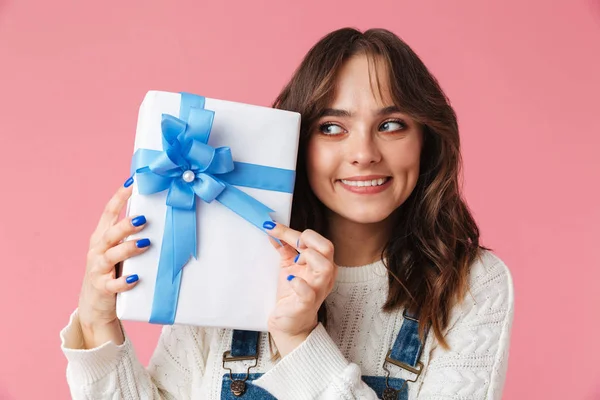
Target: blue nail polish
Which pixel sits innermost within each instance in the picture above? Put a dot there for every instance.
(132, 278)
(269, 225)
(296, 258)
(128, 182)
(290, 277)
(142, 243)
(137, 221)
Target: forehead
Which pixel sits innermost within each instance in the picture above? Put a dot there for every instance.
(362, 81)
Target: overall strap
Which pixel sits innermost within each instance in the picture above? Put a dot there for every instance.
(244, 343)
(405, 353)
(407, 347)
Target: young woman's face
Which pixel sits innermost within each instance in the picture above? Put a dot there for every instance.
(363, 154)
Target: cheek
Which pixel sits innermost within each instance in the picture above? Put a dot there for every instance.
(405, 165)
(406, 159)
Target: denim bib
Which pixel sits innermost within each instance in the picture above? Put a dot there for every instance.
(405, 353)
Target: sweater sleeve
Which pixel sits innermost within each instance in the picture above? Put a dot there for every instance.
(112, 371)
(315, 370)
(474, 368)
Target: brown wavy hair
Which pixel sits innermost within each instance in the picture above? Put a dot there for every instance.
(435, 239)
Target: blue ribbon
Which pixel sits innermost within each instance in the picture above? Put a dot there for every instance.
(188, 167)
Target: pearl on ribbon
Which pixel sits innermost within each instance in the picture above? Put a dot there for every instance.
(188, 176)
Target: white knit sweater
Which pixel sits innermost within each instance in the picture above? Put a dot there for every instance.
(187, 362)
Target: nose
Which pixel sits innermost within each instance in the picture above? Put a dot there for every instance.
(363, 149)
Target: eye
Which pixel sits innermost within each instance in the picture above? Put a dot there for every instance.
(393, 126)
(330, 129)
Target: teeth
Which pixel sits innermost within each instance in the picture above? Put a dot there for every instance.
(374, 182)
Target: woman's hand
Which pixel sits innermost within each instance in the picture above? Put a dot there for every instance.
(97, 300)
(306, 278)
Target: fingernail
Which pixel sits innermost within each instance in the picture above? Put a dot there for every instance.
(132, 278)
(298, 243)
(290, 277)
(128, 182)
(269, 225)
(142, 243)
(296, 258)
(137, 221)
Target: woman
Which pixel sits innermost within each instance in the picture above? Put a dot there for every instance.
(385, 291)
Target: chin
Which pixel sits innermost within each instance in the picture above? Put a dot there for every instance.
(368, 216)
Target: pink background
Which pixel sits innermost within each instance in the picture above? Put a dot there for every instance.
(524, 77)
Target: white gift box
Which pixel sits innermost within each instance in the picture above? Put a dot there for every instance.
(233, 281)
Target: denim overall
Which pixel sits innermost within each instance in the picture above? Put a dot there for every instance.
(405, 353)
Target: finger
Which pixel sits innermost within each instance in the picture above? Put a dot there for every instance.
(321, 271)
(314, 240)
(113, 208)
(285, 250)
(122, 252)
(282, 232)
(306, 295)
(122, 284)
(315, 262)
(119, 232)
(275, 242)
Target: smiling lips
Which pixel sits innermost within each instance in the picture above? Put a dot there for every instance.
(369, 184)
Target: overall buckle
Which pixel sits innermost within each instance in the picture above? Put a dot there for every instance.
(390, 393)
(238, 387)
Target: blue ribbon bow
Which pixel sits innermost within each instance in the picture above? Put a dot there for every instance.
(188, 167)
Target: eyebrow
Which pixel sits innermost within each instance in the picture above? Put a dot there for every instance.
(333, 112)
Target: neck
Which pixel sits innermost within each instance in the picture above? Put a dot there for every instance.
(357, 244)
